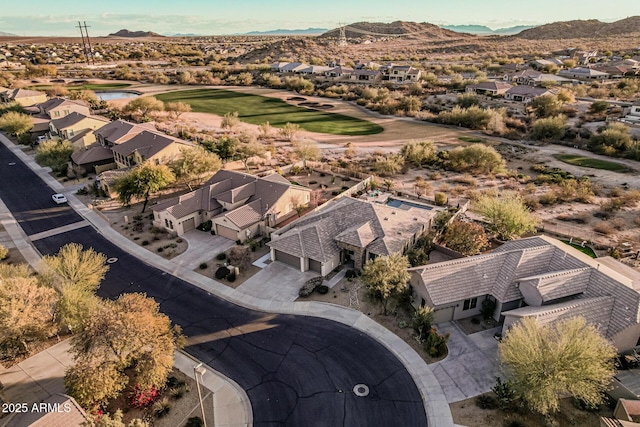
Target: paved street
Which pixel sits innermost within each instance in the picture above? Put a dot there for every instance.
(296, 370)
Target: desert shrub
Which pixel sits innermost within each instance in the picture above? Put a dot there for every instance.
(514, 423)
(160, 250)
(322, 289)
(465, 179)
(487, 402)
(436, 344)
(205, 226)
(296, 170)
(178, 391)
(350, 274)
(435, 176)
(221, 256)
(4, 252)
(231, 277)
(548, 198)
(194, 422)
(203, 265)
(310, 286)
(440, 199)
(488, 308)
(604, 227)
(222, 272)
(161, 407)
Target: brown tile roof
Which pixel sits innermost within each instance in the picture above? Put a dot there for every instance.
(74, 118)
(388, 231)
(52, 103)
(24, 93)
(146, 143)
(94, 153)
(528, 90)
(111, 176)
(246, 215)
(119, 131)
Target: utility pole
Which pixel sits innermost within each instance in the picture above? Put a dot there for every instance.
(84, 44)
(86, 31)
(342, 39)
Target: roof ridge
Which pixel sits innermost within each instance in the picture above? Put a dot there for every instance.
(557, 273)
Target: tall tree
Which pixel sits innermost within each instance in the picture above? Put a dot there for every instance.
(82, 268)
(468, 238)
(142, 181)
(143, 106)
(507, 215)
(246, 151)
(194, 163)
(55, 154)
(544, 363)
(306, 150)
(386, 277)
(128, 332)
(26, 312)
(176, 109)
(16, 123)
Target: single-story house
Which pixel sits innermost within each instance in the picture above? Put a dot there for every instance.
(24, 97)
(239, 205)
(365, 75)
(538, 277)
(77, 128)
(526, 93)
(119, 131)
(56, 108)
(95, 158)
(148, 146)
(339, 72)
(314, 69)
(489, 88)
(634, 113)
(348, 229)
(292, 67)
(581, 73)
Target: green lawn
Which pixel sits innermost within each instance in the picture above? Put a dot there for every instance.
(586, 250)
(257, 109)
(590, 162)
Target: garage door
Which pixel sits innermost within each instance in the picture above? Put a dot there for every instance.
(315, 266)
(443, 315)
(292, 260)
(226, 232)
(189, 225)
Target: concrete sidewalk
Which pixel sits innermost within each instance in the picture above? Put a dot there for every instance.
(436, 405)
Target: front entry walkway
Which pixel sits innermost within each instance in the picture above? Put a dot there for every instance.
(471, 366)
(276, 282)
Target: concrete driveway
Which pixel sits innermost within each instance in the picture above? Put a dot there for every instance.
(203, 246)
(276, 282)
(471, 366)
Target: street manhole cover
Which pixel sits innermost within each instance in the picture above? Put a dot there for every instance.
(112, 260)
(361, 390)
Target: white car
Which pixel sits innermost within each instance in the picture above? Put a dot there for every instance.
(59, 198)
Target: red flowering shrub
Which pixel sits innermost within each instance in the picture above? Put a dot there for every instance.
(142, 398)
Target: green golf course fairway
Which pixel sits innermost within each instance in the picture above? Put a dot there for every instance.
(256, 109)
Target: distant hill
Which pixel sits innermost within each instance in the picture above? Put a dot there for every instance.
(483, 30)
(180, 34)
(418, 30)
(127, 33)
(282, 32)
(582, 29)
(3, 34)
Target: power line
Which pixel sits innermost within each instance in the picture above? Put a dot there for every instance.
(84, 44)
(89, 44)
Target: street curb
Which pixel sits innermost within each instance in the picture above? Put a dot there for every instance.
(436, 407)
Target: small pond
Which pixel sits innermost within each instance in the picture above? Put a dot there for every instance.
(108, 96)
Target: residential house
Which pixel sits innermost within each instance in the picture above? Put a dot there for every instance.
(581, 73)
(538, 277)
(365, 76)
(339, 72)
(403, 74)
(292, 67)
(315, 70)
(77, 128)
(148, 146)
(526, 93)
(523, 77)
(119, 131)
(95, 158)
(24, 97)
(348, 230)
(239, 205)
(540, 64)
(56, 108)
(634, 114)
(492, 88)
(547, 80)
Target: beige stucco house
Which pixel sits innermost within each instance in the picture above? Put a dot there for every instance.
(538, 277)
(346, 230)
(148, 146)
(77, 128)
(24, 97)
(56, 108)
(239, 205)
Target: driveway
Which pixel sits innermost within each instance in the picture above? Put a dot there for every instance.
(203, 246)
(276, 282)
(471, 366)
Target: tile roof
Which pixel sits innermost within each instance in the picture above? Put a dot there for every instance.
(94, 153)
(24, 93)
(147, 144)
(528, 90)
(74, 118)
(492, 86)
(52, 103)
(554, 269)
(384, 229)
(245, 215)
(119, 131)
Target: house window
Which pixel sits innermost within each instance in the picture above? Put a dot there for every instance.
(470, 304)
(166, 222)
(171, 227)
(56, 114)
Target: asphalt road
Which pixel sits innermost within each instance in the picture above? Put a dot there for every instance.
(297, 370)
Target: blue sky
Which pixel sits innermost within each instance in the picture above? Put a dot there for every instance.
(39, 17)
